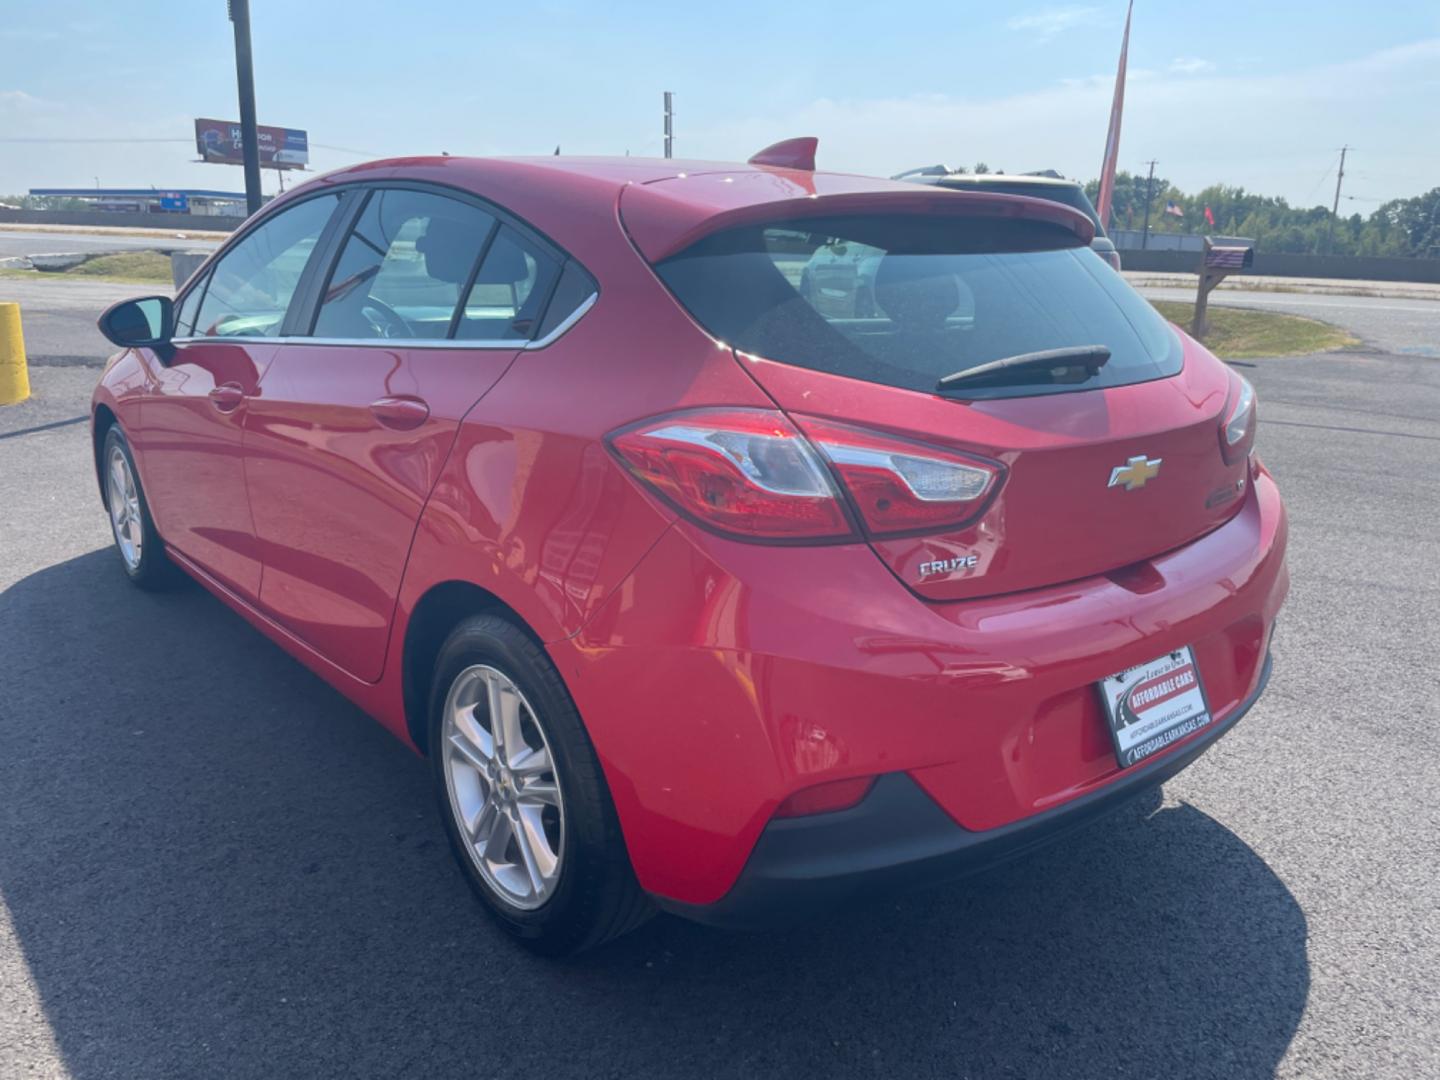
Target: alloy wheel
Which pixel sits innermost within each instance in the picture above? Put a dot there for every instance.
(503, 787)
(123, 498)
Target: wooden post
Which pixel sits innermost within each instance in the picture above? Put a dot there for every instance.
(1209, 278)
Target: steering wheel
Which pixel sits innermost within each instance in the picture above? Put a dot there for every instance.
(389, 323)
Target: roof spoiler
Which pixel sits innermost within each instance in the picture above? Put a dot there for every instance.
(789, 154)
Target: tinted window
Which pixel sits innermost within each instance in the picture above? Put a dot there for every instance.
(252, 284)
(185, 313)
(906, 300)
(573, 289)
(402, 267)
(511, 290)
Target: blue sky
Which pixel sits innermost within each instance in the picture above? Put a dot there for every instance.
(1260, 94)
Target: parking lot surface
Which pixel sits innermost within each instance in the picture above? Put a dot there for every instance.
(212, 865)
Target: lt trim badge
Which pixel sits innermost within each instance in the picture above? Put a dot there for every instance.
(1135, 473)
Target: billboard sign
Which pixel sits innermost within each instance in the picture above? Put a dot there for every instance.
(218, 141)
(175, 202)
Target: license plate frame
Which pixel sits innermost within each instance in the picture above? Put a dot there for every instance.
(1153, 705)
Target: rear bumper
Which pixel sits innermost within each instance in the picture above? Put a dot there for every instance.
(899, 838)
(723, 677)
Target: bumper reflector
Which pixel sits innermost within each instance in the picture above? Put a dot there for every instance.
(826, 798)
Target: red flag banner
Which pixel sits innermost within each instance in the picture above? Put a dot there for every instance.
(1209, 217)
(1112, 136)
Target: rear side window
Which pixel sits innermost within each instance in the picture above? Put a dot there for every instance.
(907, 300)
(403, 266)
(511, 289)
(572, 290)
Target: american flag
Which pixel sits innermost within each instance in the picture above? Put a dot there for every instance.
(1173, 209)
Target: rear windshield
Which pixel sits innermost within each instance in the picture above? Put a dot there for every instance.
(906, 300)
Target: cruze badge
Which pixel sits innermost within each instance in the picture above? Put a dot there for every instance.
(945, 566)
(1135, 473)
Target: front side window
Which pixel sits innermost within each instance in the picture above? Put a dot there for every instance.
(905, 300)
(403, 266)
(252, 284)
(185, 312)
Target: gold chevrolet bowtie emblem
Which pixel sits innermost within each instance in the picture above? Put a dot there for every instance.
(1135, 472)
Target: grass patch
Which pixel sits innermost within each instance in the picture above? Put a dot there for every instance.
(126, 266)
(1240, 333)
(138, 267)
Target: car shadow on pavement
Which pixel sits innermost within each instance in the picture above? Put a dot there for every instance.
(215, 866)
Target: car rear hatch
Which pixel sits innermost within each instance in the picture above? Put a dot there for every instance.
(848, 307)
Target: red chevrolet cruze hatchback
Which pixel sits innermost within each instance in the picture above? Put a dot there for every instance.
(731, 538)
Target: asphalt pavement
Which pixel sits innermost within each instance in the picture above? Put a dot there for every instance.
(212, 865)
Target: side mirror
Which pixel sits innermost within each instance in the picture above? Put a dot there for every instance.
(148, 322)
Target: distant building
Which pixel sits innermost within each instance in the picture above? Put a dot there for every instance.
(153, 201)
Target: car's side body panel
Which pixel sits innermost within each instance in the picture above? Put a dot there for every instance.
(191, 443)
(336, 489)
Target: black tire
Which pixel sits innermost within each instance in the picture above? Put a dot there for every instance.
(153, 570)
(596, 897)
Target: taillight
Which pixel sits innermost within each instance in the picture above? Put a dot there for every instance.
(752, 474)
(1237, 425)
(744, 472)
(899, 486)
(826, 798)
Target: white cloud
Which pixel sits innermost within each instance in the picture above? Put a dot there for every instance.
(1191, 65)
(18, 101)
(1051, 21)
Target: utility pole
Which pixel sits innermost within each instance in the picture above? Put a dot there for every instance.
(1149, 186)
(245, 80)
(1335, 210)
(669, 126)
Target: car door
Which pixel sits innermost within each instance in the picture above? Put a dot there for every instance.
(350, 425)
(192, 418)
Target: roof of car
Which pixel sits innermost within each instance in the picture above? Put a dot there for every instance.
(667, 204)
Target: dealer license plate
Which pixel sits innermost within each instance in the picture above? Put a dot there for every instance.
(1152, 706)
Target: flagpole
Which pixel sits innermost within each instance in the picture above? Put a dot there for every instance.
(1112, 134)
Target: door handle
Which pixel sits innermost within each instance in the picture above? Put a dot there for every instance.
(400, 413)
(227, 396)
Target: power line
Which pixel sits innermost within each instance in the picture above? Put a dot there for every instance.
(37, 139)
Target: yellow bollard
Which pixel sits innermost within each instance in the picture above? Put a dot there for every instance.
(14, 376)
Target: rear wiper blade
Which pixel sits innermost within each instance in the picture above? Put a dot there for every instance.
(1091, 358)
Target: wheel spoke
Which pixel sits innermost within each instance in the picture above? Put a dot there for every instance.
(531, 762)
(497, 835)
(471, 754)
(474, 733)
(483, 826)
(539, 793)
(530, 839)
(505, 719)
